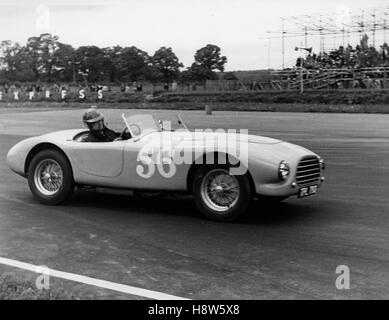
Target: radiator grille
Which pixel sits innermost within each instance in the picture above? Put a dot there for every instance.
(308, 171)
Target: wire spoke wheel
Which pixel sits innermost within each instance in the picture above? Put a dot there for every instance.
(48, 177)
(220, 190)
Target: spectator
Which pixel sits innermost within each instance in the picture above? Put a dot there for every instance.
(377, 84)
(55, 87)
(367, 82)
(356, 84)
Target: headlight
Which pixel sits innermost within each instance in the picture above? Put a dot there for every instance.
(283, 170)
(322, 164)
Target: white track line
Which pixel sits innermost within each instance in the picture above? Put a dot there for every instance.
(92, 281)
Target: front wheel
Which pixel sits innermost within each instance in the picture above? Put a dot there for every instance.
(50, 177)
(219, 195)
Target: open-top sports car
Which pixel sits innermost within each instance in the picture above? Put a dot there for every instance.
(223, 170)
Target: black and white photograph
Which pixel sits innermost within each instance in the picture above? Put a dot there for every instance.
(193, 156)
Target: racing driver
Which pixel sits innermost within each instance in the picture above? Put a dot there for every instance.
(98, 132)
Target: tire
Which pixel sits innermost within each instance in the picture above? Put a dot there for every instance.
(220, 203)
(50, 177)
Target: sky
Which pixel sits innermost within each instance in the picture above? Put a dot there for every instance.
(238, 27)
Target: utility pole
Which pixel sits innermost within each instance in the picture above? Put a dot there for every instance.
(321, 35)
(374, 27)
(385, 27)
(301, 75)
(268, 53)
(283, 43)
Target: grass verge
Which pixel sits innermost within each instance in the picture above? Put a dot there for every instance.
(11, 289)
(216, 106)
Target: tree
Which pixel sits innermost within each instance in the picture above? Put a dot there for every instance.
(9, 55)
(112, 55)
(41, 51)
(14, 62)
(63, 67)
(207, 59)
(166, 64)
(210, 59)
(200, 73)
(186, 76)
(132, 64)
(91, 61)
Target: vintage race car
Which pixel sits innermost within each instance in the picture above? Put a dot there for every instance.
(223, 170)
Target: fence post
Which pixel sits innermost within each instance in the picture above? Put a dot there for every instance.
(208, 109)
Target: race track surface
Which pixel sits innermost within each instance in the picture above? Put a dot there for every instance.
(162, 243)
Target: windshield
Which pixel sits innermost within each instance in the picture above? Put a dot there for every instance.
(140, 124)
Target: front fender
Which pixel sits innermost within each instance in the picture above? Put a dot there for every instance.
(17, 155)
(263, 166)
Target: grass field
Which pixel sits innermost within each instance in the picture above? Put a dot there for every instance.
(13, 289)
(217, 106)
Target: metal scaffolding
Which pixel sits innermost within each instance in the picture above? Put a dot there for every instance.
(329, 31)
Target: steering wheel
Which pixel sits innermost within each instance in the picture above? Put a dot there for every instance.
(125, 135)
(136, 130)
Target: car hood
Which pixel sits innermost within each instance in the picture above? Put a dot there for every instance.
(205, 135)
(262, 140)
(280, 151)
(258, 146)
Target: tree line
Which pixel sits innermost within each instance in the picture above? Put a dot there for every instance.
(44, 58)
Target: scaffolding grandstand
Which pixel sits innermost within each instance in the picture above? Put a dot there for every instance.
(343, 50)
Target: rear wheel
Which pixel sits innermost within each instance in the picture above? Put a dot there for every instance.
(219, 195)
(50, 177)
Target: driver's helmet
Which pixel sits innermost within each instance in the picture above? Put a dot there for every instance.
(92, 116)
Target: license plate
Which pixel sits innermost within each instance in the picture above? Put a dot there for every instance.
(307, 191)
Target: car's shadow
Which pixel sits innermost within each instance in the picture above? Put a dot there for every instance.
(288, 211)
(285, 212)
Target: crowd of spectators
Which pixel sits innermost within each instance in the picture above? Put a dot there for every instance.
(362, 66)
(362, 56)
